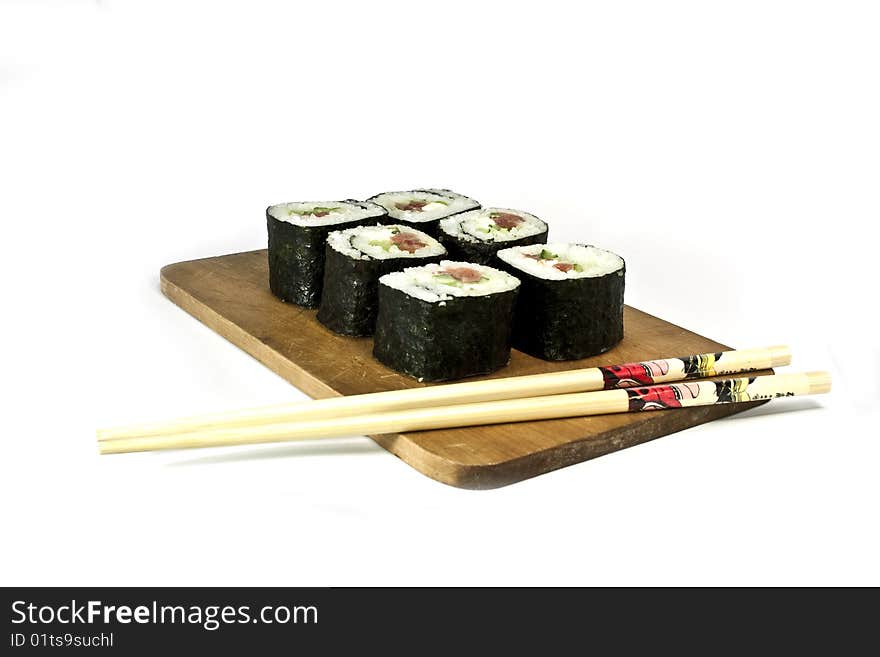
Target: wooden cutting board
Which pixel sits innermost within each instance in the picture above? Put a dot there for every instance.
(230, 294)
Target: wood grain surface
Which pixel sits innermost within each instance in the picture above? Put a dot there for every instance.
(230, 294)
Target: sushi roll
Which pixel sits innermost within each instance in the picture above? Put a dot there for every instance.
(571, 301)
(424, 208)
(297, 234)
(445, 321)
(356, 258)
(477, 235)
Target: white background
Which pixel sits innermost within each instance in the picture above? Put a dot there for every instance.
(729, 151)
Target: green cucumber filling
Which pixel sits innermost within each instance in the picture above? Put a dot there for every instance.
(561, 266)
(384, 244)
(446, 279)
(316, 211)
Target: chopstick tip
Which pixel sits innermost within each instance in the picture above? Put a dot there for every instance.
(780, 355)
(820, 382)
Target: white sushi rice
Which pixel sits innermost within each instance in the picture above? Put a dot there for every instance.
(431, 283)
(588, 261)
(479, 226)
(439, 203)
(334, 212)
(374, 243)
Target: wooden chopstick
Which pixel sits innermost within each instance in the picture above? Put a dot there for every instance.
(658, 397)
(535, 385)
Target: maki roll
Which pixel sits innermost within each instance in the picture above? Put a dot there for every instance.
(571, 301)
(477, 235)
(423, 208)
(445, 321)
(356, 258)
(297, 233)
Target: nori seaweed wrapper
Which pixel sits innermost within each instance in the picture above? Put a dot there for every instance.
(350, 299)
(568, 319)
(296, 258)
(464, 337)
(483, 253)
(432, 227)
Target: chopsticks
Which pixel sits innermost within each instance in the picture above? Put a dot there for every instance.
(635, 399)
(535, 385)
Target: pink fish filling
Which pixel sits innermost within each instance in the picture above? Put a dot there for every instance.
(411, 206)
(506, 219)
(561, 266)
(463, 274)
(408, 242)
